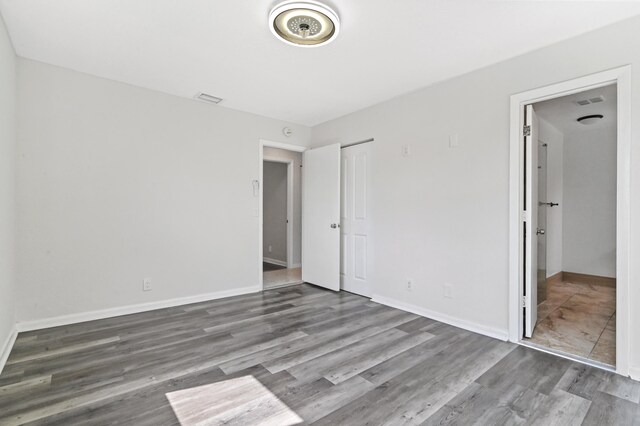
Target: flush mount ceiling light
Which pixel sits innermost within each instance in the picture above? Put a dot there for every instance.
(590, 119)
(304, 24)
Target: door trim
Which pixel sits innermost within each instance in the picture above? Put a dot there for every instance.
(290, 219)
(271, 144)
(622, 77)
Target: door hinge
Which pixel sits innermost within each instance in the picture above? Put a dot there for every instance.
(524, 301)
(526, 130)
(524, 216)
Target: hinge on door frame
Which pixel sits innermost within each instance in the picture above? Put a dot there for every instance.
(526, 130)
(524, 216)
(524, 301)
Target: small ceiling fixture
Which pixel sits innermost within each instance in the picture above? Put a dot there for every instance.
(590, 119)
(304, 23)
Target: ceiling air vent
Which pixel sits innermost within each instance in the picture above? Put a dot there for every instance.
(208, 98)
(597, 99)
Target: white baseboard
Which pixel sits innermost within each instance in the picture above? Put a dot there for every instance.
(7, 346)
(634, 373)
(296, 265)
(496, 333)
(274, 261)
(130, 309)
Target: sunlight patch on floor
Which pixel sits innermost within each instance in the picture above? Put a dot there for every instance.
(241, 401)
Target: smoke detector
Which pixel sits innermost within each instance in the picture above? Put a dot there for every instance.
(304, 24)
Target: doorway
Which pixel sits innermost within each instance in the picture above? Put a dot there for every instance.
(328, 216)
(281, 217)
(574, 169)
(279, 190)
(569, 225)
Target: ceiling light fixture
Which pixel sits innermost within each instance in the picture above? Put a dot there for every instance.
(304, 23)
(590, 119)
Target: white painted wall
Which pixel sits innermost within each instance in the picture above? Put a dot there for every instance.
(296, 157)
(274, 211)
(442, 213)
(589, 214)
(117, 183)
(7, 187)
(555, 143)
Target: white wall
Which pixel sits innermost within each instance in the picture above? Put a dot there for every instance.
(589, 215)
(296, 157)
(441, 214)
(117, 183)
(7, 188)
(274, 211)
(555, 147)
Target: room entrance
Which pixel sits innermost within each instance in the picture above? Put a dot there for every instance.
(570, 172)
(570, 217)
(315, 216)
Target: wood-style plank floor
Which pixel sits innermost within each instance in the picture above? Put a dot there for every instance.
(297, 355)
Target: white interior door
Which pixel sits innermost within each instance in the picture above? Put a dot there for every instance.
(355, 219)
(321, 216)
(531, 228)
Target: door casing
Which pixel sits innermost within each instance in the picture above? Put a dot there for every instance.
(622, 77)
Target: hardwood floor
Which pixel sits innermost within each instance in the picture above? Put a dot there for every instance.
(296, 355)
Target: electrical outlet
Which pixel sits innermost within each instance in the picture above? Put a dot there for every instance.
(406, 150)
(270, 249)
(146, 284)
(447, 290)
(409, 284)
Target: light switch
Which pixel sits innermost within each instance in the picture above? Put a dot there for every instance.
(453, 141)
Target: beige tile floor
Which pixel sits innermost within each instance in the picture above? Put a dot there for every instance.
(578, 319)
(282, 277)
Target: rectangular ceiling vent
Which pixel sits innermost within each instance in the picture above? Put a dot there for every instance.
(208, 98)
(589, 101)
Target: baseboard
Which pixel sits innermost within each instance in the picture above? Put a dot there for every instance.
(634, 373)
(296, 265)
(274, 261)
(578, 278)
(555, 278)
(456, 322)
(130, 309)
(7, 346)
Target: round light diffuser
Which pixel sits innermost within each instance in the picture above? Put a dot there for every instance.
(304, 24)
(590, 119)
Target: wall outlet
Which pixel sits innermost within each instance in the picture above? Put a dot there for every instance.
(270, 249)
(146, 284)
(409, 284)
(406, 150)
(447, 291)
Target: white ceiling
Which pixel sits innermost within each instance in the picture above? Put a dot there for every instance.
(225, 48)
(563, 112)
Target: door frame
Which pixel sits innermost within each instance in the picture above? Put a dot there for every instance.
(622, 77)
(289, 147)
(289, 228)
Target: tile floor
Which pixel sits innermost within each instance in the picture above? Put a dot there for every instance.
(578, 319)
(281, 277)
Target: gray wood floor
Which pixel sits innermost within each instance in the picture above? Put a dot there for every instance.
(297, 355)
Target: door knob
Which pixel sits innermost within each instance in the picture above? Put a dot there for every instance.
(334, 225)
(540, 231)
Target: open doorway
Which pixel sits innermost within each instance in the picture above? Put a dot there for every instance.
(574, 167)
(570, 219)
(281, 217)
